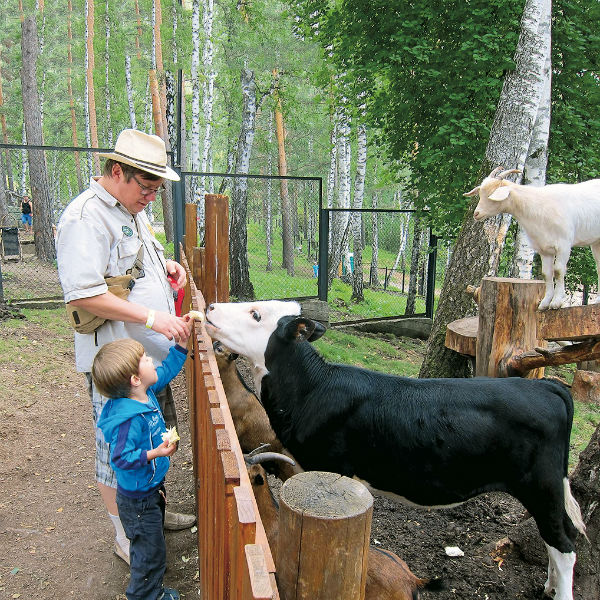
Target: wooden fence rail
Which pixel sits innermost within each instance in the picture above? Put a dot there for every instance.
(234, 558)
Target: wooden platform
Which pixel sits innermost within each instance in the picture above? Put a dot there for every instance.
(461, 335)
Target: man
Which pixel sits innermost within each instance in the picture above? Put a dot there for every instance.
(100, 235)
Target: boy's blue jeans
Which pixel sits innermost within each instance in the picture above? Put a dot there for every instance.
(142, 520)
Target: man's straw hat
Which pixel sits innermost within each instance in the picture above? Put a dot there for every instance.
(143, 151)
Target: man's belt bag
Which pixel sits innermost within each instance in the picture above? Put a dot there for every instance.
(83, 321)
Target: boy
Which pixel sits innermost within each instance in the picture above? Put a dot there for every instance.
(133, 424)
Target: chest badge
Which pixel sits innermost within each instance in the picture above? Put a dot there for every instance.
(127, 231)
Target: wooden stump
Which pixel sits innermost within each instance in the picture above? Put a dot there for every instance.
(328, 517)
(507, 324)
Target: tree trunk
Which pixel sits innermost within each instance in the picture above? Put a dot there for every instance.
(373, 272)
(195, 125)
(585, 485)
(268, 199)
(5, 135)
(109, 131)
(38, 176)
(534, 172)
(475, 254)
(72, 100)
(89, 71)
(414, 265)
(208, 98)
(3, 206)
(359, 194)
(340, 220)
(286, 216)
(239, 270)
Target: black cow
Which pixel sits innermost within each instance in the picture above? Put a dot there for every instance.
(432, 442)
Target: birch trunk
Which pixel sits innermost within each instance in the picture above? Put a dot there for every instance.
(239, 271)
(356, 217)
(207, 97)
(71, 98)
(534, 172)
(109, 131)
(286, 216)
(5, 136)
(38, 176)
(91, 94)
(340, 220)
(195, 125)
(129, 90)
(414, 265)
(268, 199)
(373, 271)
(3, 208)
(476, 250)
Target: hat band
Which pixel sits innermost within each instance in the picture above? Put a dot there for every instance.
(145, 163)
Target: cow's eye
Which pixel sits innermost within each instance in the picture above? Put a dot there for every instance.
(256, 315)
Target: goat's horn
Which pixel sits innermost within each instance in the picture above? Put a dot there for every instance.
(256, 451)
(267, 456)
(506, 173)
(495, 172)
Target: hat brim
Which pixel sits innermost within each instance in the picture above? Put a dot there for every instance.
(164, 172)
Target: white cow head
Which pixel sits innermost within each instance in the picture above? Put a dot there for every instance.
(245, 327)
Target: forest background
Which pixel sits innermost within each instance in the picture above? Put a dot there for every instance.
(391, 103)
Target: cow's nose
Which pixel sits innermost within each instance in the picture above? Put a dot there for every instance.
(210, 307)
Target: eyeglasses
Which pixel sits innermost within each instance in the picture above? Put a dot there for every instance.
(147, 191)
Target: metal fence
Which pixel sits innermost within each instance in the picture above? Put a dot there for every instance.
(26, 277)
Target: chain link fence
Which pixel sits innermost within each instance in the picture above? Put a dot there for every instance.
(386, 272)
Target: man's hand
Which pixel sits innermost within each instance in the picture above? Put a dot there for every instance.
(177, 272)
(172, 327)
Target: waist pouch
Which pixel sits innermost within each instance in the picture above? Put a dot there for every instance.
(83, 321)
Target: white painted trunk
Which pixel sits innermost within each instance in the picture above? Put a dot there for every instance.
(86, 98)
(195, 125)
(356, 217)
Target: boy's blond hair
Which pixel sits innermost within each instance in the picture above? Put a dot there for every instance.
(114, 365)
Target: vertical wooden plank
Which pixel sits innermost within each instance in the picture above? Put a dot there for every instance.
(210, 244)
(198, 272)
(223, 249)
(191, 233)
(245, 534)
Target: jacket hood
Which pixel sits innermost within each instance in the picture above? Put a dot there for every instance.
(110, 419)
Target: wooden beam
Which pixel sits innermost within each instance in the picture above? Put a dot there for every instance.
(572, 323)
(521, 364)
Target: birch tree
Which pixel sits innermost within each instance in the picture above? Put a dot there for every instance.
(195, 125)
(534, 172)
(356, 217)
(107, 86)
(74, 139)
(373, 270)
(477, 247)
(286, 211)
(38, 175)
(92, 125)
(239, 271)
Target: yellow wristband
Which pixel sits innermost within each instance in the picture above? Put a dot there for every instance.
(150, 319)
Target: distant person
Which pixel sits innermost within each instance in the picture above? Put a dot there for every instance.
(104, 232)
(133, 425)
(27, 214)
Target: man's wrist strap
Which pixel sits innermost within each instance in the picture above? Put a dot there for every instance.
(150, 319)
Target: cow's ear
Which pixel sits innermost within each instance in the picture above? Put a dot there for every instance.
(318, 331)
(298, 329)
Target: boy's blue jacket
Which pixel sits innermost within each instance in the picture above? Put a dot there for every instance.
(133, 428)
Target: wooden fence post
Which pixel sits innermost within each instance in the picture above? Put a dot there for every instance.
(216, 242)
(191, 234)
(507, 324)
(328, 517)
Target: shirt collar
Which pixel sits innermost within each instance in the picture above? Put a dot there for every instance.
(105, 196)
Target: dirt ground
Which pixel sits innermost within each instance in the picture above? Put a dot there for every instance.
(56, 541)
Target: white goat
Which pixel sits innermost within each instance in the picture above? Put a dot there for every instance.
(555, 217)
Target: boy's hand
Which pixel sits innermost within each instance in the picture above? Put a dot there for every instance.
(188, 326)
(163, 450)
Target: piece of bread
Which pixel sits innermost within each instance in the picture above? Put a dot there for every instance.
(171, 436)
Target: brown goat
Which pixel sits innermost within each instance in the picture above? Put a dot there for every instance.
(388, 576)
(249, 417)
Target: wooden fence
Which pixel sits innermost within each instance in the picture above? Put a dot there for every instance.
(234, 557)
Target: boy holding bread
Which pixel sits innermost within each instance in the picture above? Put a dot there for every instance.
(140, 446)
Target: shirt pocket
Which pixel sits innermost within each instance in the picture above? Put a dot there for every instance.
(127, 250)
